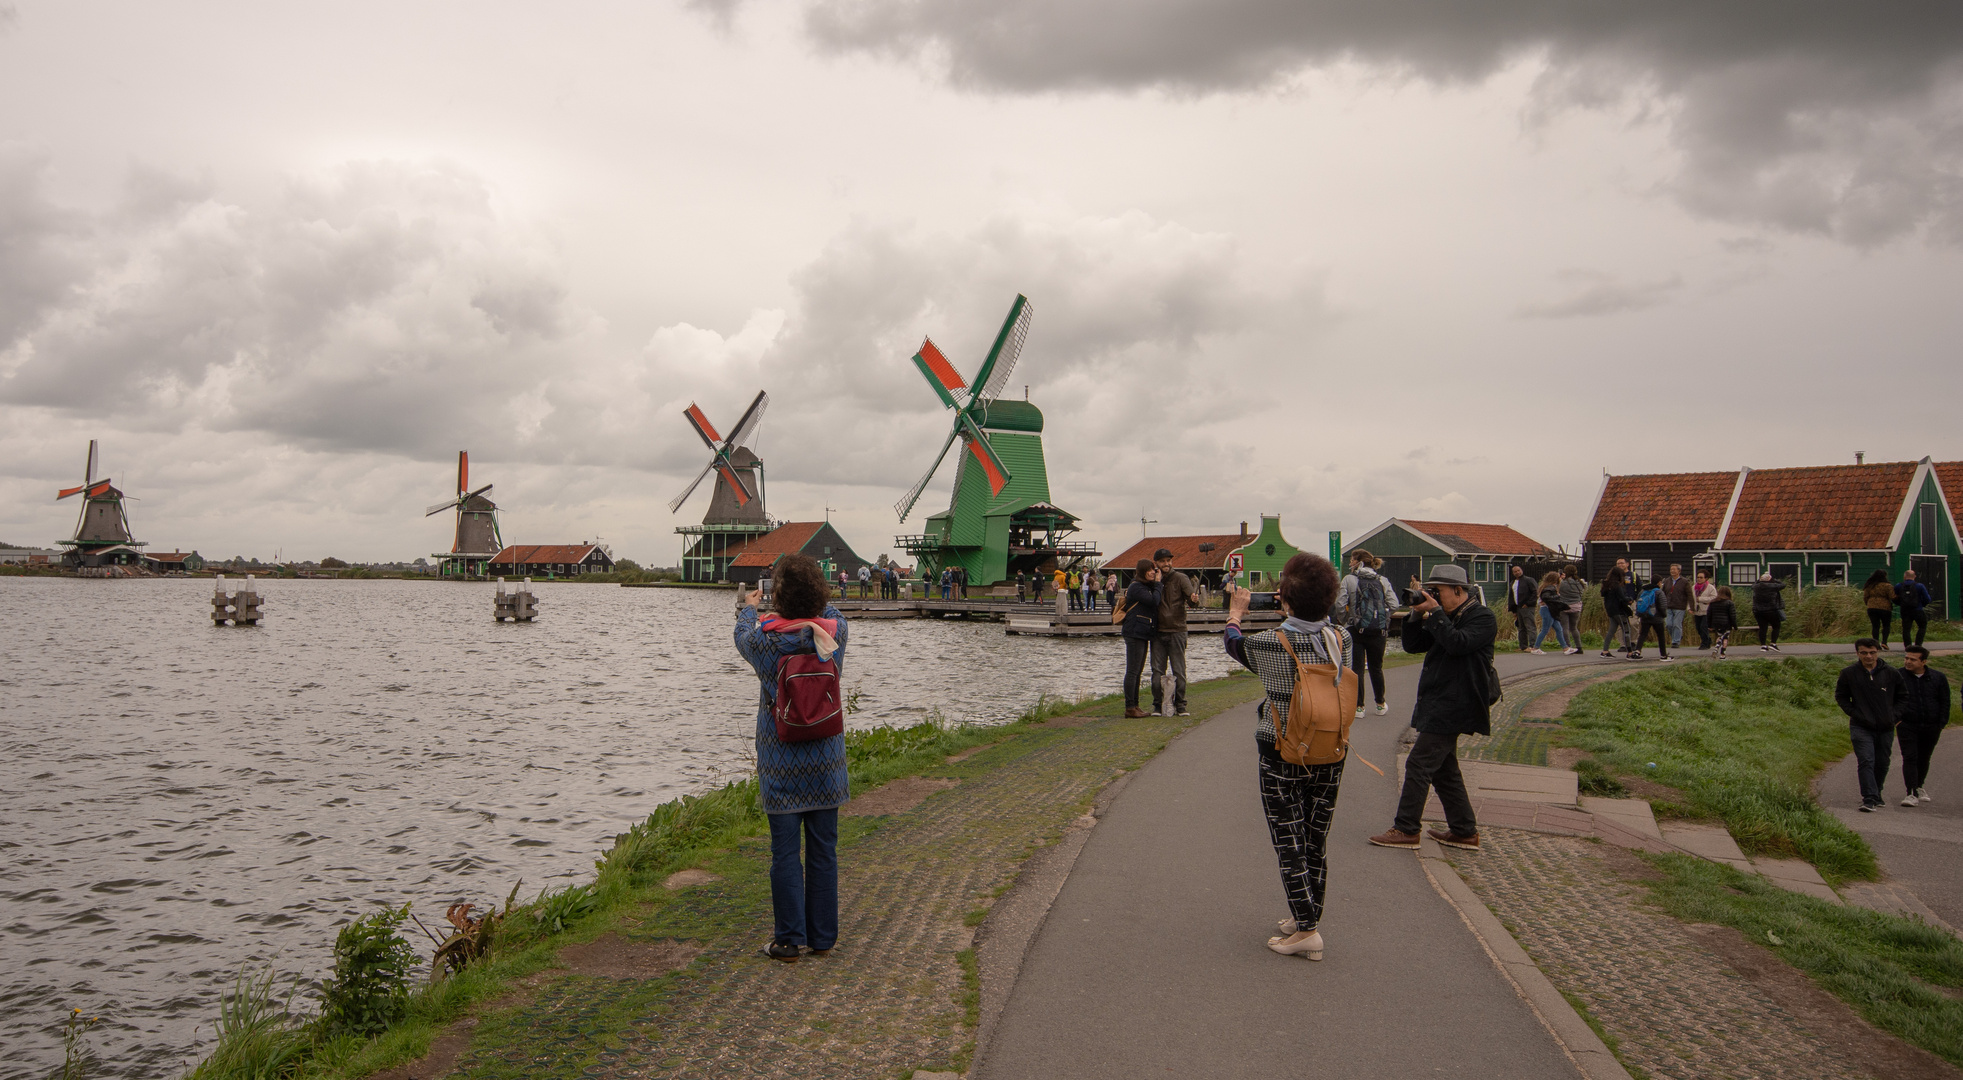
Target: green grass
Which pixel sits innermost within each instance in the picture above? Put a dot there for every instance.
(1886, 967)
(1742, 741)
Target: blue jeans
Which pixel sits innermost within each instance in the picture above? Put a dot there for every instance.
(1871, 751)
(804, 896)
(1550, 625)
(1674, 619)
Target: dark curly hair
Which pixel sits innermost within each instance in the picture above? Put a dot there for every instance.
(799, 589)
(1309, 585)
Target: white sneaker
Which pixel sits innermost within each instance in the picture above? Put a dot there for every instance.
(1909, 799)
(1922, 795)
(1359, 712)
(1382, 708)
(1536, 652)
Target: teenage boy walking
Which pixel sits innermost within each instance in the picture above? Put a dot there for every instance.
(1455, 632)
(1169, 641)
(1870, 693)
(1925, 710)
(1914, 598)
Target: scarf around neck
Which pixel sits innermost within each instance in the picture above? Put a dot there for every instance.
(824, 632)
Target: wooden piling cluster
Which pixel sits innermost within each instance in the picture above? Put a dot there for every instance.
(520, 606)
(240, 608)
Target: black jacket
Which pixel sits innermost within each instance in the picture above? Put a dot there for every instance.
(1769, 596)
(1925, 698)
(1458, 650)
(1871, 699)
(1723, 616)
(1616, 601)
(1141, 610)
(1529, 593)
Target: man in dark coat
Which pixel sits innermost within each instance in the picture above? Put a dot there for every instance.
(1870, 693)
(1914, 598)
(1924, 712)
(1455, 632)
(1523, 600)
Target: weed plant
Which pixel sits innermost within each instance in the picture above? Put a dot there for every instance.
(1892, 970)
(372, 966)
(1742, 742)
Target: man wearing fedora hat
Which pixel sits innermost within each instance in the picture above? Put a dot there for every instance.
(1455, 690)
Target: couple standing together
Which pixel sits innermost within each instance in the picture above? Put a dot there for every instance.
(1454, 631)
(1153, 624)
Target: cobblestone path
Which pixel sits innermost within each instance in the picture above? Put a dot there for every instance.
(1674, 1006)
(892, 997)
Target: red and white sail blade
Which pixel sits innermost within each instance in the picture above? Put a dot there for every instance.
(676, 503)
(946, 381)
(1007, 349)
(463, 471)
(905, 505)
(699, 420)
(746, 426)
(737, 485)
(992, 466)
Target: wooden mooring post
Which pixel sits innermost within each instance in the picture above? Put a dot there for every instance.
(518, 606)
(240, 608)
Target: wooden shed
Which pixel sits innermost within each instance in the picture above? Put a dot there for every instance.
(746, 561)
(550, 560)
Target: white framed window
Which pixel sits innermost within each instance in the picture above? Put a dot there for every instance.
(1479, 570)
(1744, 573)
(1829, 573)
(1641, 568)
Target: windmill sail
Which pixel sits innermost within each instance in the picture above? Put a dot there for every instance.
(738, 495)
(970, 400)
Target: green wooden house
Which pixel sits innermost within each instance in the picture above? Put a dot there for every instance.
(1411, 548)
(1263, 557)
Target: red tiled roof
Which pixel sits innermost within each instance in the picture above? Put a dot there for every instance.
(1950, 475)
(168, 556)
(527, 554)
(1186, 553)
(786, 539)
(1828, 507)
(1471, 538)
(1663, 506)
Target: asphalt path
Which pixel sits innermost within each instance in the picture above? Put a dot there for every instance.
(1920, 847)
(1153, 960)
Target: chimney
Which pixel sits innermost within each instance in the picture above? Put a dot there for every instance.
(1243, 530)
(1860, 457)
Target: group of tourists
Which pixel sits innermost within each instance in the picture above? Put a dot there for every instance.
(954, 582)
(1883, 703)
(1882, 597)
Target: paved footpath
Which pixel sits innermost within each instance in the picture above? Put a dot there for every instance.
(1153, 959)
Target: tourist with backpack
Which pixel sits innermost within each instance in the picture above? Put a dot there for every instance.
(1616, 605)
(1914, 597)
(1456, 692)
(1652, 608)
(798, 651)
(1574, 595)
(1549, 594)
(1301, 735)
(1365, 604)
(1879, 594)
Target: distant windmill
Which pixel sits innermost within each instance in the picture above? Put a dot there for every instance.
(102, 531)
(739, 497)
(478, 540)
(971, 402)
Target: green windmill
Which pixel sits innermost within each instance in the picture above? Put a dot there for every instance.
(1000, 520)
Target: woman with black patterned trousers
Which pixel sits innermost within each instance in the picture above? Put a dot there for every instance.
(1299, 800)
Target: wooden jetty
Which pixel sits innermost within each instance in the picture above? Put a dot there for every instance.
(240, 608)
(520, 606)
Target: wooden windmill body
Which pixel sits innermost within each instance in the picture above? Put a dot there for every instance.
(999, 520)
(102, 531)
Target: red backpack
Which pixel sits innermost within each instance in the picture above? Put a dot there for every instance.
(808, 705)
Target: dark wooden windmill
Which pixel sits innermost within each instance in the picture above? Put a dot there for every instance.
(478, 540)
(736, 507)
(102, 532)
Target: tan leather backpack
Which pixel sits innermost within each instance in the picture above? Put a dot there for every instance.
(1321, 708)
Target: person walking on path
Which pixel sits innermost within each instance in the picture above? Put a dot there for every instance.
(1176, 593)
(1111, 590)
(1880, 597)
(1678, 596)
(1870, 693)
(1455, 632)
(1141, 624)
(1768, 609)
(1651, 609)
(800, 784)
(1523, 600)
(1365, 603)
(1722, 619)
(1299, 801)
(1549, 595)
(1925, 711)
(1701, 596)
(1616, 606)
(1914, 598)
(1089, 580)
(1574, 595)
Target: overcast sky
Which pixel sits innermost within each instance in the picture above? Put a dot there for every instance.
(1334, 260)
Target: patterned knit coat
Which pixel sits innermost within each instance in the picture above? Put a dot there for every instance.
(799, 776)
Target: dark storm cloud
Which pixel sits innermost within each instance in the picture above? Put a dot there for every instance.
(1842, 119)
(384, 307)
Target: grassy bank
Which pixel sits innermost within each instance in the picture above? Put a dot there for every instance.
(259, 1035)
(1739, 741)
(1901, 975)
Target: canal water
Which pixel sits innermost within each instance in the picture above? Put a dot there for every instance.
(179, 802)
